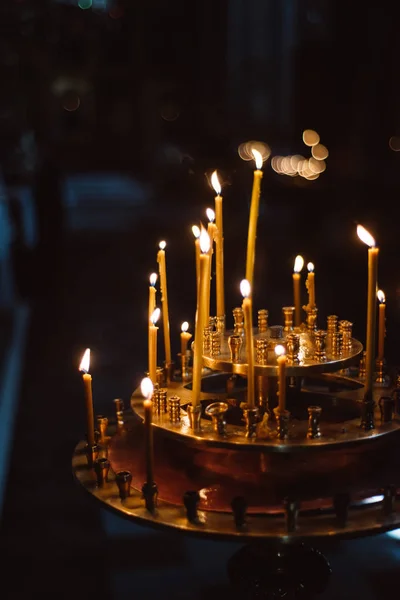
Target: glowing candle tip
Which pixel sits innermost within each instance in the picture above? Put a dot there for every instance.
(310, 267)
(146, 387)
(298, 263)
(258, 158)
(184, 326)
(153, 279)
(381, 296)
(162, 245)
(279, 350)
(245, 288)
(365, 236)
(210, 215)
(215, 183)
(196, 231)
(155, 316)
(204, 241)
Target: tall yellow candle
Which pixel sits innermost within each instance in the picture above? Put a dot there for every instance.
(373, 253)
(185, 337)
(196, 233)
(253, 219)
(87, 384)
(153, 345)
(200, 316)
(152, 293)
(219, 248)
(147, 391)
(164, 300)
(298, 265)
(212, 233)
(281, 361)
(247, 307)
(381, 324)
(311, 285)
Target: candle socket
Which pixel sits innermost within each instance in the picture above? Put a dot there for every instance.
(119, 410)
(220, 324)
(389, 500)
(123, 480)
(293, 348)
(169, 371)
(217, 411)
(314, 416)
(386, 406)
(380, 371)
(150, 495)
(238, 321)
(191, 501)
(362, 366)
(215, 344)
(184, 366)
(212, 323)
(347, 331)
(312, 312)
(262, 394)
(101, 467)
(160, 401)
(262, 351)
(207, 340)
(161, 376)
(291, 507)
(239, 509)
(194, 414)
(320, 345)
(262, 320)
(102, 423)
(235, 343)
(337, 343)
(174, 409)
(252, 418)
(341, 503)
(331, 324)
(92, 454)
(288, 315)
(282, 423)
(367, 414)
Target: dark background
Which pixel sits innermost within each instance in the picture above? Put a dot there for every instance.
(112, 117)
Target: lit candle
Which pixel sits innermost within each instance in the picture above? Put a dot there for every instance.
(147, 391)
(152, 293)
(373, 253)
(212, 232)
(87, 383)
(298, 265)
(196, 233)
(185, 337)
(219, 248)
(247, 307)
(153, 345)
(254, 208)
(281, 360)
(164, 300)
(382, 324)
(200, 315)
(311, 285)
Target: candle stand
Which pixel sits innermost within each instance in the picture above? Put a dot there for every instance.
(279, 482)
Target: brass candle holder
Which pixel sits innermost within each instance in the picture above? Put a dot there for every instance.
(331, 324)
(119, 411)
(102, 423)
(215, 349)
(124, 480)
(238, 321)
(207, 340)
(314, 416)
(194, 414)
(288, 315)
(293, 348)
(252, 418)
(312, 312)
(220, 324)
(150, 495)
(337, 343)
(380, 371)
(174, 409)
(102, 467)
(320, 345)
(217, 411)
(235, 343)
(346, 328)
(282, 423)
(262, 320)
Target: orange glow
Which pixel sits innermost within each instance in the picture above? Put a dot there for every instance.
(245, 288)
(146, 387)
(381, 296)
(215, 183)
(85, 362)
(204, 241)
(365, 236)
(298, 263)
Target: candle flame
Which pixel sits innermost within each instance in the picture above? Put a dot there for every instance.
(215, 183)
(365, 236)
(310, 267)
(298, 263)
(196, 231)
(381, 296)
(162, 245)
(245, 288)
(184, 326)
(146, 387)
(153, 279)
(280, 350)
(258, 158)
(155, 316)
(204, 241)
(85, 362)
(210, 215)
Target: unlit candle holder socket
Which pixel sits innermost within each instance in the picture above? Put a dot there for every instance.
(101, 468)
(215, 344)
(262, 320)
(123, 480)
(314, 416)
(102, 423)
(252, 418)
(380, 371)
(194, 414)
(150, 495)
(217, 411)
(212, 323)
(238, 321)
(174, 409)
(386, 405)
(207, 340)
(312, 313)
(288, 316)
(332, 324)
(169, 369)
(276, 332)
(320, 345)
(220, 324)
(191, 500)
(367, 414)
(293, 348)
(337, 343)
(161, 377)
(346, 327)
(184, 366)
(119, 410)
(239, 509)
(262, 351)
(92, 454)
(291, 507)
(362, 366)
(282, 423)
(235, 343)
(389, 500)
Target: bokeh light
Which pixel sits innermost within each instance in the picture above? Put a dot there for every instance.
(320, 152)
(245, 150)
(310, 137)
(71, 101)
(394, 143)
(85, 4)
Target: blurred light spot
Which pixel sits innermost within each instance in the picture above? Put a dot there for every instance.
(170, 112)
(245, 150)
(394, 143)
(372, 499)
(395, 533)
(71, 101)
(287, 167)
(316, 166)
(320, 152)
(311, 177)
(295, 160)
(310, 137)
(277, 164)
(84, 4)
